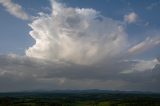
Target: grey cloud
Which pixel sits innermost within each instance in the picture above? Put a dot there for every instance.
(25, 73)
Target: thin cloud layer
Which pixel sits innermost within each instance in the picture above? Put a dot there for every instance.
(14, 9)
(80, 36)
(148, 43)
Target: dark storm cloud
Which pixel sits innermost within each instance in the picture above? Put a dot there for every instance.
(25, 73)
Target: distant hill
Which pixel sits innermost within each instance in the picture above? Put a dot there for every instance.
(89, 91)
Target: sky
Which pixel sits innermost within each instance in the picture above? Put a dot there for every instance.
(79, 44)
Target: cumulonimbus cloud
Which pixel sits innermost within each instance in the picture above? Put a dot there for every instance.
(14, 9)
(68, 39)
(76, 35)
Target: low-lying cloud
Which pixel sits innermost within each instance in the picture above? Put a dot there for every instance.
(26, 73)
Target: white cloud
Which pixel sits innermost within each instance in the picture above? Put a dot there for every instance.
(131, 17)
(145, 45)
(144, 65)
(14, 9)
(76, 35)
(141, 66)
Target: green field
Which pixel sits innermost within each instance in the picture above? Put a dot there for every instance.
(79, 99)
